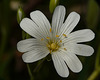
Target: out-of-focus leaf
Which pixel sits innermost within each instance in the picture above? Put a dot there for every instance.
(97, 64)
(86, 68)
(4, 64)
(92, 14)
(98, 1)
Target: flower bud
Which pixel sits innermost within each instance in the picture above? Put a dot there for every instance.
(53, 4)
(20, 14)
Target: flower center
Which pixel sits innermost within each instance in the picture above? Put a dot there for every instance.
(52, 46)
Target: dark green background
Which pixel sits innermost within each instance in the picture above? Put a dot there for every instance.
(11, 65)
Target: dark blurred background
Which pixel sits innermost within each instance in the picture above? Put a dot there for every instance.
(11, 65)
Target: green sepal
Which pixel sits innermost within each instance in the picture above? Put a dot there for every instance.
(20, 14)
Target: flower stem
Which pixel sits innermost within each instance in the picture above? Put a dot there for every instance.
(97, 62)
(39, 64)
(94, 75)
(97, 66)
(30, 73)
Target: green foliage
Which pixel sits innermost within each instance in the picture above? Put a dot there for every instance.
(92, 14)
(11, 65)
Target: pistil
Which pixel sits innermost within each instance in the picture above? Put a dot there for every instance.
(53, 46)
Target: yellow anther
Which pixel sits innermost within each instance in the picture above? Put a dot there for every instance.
(48, 37)
(65, 49)
(50, 29)
(65, 35)
(42, 39)
(60, 40)
(57, 35)
(53, 46)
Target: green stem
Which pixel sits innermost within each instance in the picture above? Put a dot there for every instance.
(97, 62)
(30, 73)
(26, 36)
(94, 75)
(39, 64)
(97, 66)
(3, 40)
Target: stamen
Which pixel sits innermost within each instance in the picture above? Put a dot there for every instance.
(65, 49)
(60, 40)
(50, 51)
(50, 29)
(57, 35)
(48, 45)
(42, 39)
(65, 35)
(48, 37)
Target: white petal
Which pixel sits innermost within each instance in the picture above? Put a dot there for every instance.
(60, 65)
(72, 61)
(28, 44)
(70, 23)
(34, 55)
(80, 36)
(31, 28)
(81, 49)
(42, 22)
(58, 18)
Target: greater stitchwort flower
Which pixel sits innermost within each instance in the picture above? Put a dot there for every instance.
(56, 39)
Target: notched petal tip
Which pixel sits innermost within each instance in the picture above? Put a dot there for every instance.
(75, 14)
(60, 6)
(26, 60)
(77, 67)
(60, 65)
(35, 12)
(78, 70)
(19, 46)
(64, 76)
(92, 34)
(92, 51)
(24, 20)
(70, 23)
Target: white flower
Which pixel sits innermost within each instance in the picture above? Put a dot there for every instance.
(56, 40)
